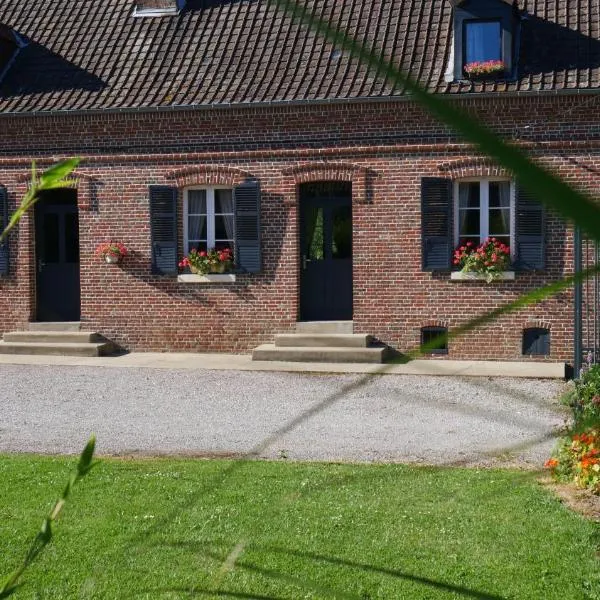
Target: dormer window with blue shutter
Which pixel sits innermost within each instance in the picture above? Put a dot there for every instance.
(484, 36)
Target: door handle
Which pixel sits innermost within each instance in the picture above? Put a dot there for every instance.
(305, 261)
(41, 265)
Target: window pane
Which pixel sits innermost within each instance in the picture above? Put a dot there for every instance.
(314, 233)
(499, 221)
(197, 228)
(51, 238)
(197, 202)
(72, 238)
(224, 244)
(342, 232)
(474, 240)
(505, 239)
(224, 227)
(469, 194)
(499, 194)
(224, 201)
(197, 245)
(468, 224)
(482, 41)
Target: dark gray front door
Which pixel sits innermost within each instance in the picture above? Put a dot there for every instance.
(326, 251)
(57, 256)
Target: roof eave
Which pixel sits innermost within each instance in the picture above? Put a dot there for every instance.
(292, 103)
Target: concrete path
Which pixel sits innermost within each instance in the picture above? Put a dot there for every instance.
(244, 362)
(150, 411)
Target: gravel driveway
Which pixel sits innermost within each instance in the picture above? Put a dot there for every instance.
(299, 416)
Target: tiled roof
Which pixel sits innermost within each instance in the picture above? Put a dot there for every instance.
(93, 54)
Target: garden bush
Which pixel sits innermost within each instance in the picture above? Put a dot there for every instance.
(577, 455)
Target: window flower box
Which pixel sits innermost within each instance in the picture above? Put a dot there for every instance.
(485, 71)
(471, 276)
(211, 262)
(488, 261)
(207, 278)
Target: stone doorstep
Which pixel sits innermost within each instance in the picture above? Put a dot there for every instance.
(335, 340)
(56, 339)
(56, 348)
(319, 354)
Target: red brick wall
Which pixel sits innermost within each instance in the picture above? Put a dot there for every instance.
(383, 148)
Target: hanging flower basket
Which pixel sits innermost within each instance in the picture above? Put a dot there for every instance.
(112, 252)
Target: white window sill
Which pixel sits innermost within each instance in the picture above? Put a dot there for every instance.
(460, 276)
(220, 278)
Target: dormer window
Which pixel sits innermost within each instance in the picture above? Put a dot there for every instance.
(10, 44)
(158, 8)
(484, 31)
(482, 41)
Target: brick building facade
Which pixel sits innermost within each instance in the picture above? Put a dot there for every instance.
(381, 149)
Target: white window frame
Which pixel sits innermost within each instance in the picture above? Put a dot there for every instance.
(210, 214)
(484, 208)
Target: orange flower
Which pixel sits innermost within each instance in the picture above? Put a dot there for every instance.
(551, 463)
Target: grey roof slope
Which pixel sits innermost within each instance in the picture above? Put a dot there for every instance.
(93, 54)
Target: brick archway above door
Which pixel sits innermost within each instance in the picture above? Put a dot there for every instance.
(293, 177)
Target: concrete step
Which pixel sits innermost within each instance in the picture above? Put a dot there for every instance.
(319, 354)
(55, 326)
(325, 327)
(334, 340)
(60, 337)
(57, 349)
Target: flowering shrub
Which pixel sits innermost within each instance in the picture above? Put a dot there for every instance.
(112, 248)
(490, 258)
(584, 397)
(489, 67)
(577, 459)
(213, 261)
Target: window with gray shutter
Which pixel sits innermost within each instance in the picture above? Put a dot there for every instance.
(247, 227)
(163, 229)
(530, 232)
(436, 223)
(4, 259)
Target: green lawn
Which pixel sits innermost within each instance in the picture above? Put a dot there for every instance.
(161, 529)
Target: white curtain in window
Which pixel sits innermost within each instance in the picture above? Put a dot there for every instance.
(226, 198)
(196, 220)
(504, 194)
(463, 202)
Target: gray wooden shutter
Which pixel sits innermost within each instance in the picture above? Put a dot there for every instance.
(436, 223)
(247, 227)
(530, 225)
(4, 259)
(163, 229)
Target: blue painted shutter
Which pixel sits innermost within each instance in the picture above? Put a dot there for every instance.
(530, 251)
(163, 229)
(247, 227)
(4, 262)
(436, 223)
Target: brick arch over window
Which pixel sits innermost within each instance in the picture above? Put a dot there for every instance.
(207, 175)
(433, 323)
(323, 171)
(536, 323)
(473, 167)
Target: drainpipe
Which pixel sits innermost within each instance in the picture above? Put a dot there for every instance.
(577, 337)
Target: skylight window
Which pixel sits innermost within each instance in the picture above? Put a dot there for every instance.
(157, 8)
